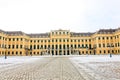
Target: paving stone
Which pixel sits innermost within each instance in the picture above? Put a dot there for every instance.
(56, 68)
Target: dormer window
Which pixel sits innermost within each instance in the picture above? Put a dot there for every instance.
(60, 33)
(67, 32)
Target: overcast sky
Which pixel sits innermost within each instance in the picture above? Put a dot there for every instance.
(40, 16)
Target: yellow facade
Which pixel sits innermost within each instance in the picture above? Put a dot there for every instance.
(60, 42)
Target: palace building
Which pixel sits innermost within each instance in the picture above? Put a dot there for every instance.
(60, 42)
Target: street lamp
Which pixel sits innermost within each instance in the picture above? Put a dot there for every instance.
(87, 52)
(94, 47)
(48, 51)
(110, 46)
(5, 52)
(26, 51)
(31, 51)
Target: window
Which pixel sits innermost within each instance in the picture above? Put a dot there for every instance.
(82, 40)
(38, 41)
(17, 39)
(107, 38)
(67, 46)
(98, 38)
(115, 44)
(60, 46)
(64, 46)
(37, 46)
(89, 40)
(99, 45)
(45, 47)
(16, 46)
(100, 51)
(108, 51)
(16, 53)
(30, 46)
(52, 46)
(34, 46)
(74, 40)
(104, 51)
(56, 46)
(12, 46)
(56, 40)
(67, 40)
(41, 41)
(20, 53)
(45, 40)
(90, 46)
(59, 32)
(8, 53)
(118, 44)
(41, 46)
(48, 40)
(67, 32)
(103, 38)
(112, 51)
(111, 37)
(60, 40)
(12, 53)
(75, 46)
(38, 53)
(63, 40)
(9, 39)
(21, 46)
(90, 52)
(21, 39)
(48, 46)
(9, 47)
(103, 45)
(83, 52)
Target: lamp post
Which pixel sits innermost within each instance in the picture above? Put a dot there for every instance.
(26, 51)
(5, 52)
(110, 46)
(94, 47)
(86, 49)
(48, 51)
(31, 51)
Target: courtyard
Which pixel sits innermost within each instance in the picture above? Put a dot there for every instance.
(73, 67)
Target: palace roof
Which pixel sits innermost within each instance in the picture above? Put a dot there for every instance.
(106, 31)
(81, 34)
(14, 33)
(38, 35)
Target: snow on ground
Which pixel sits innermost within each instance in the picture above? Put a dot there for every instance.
(102, 65)
(14, 60)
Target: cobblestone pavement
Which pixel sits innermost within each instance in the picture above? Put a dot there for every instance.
(56, 68)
